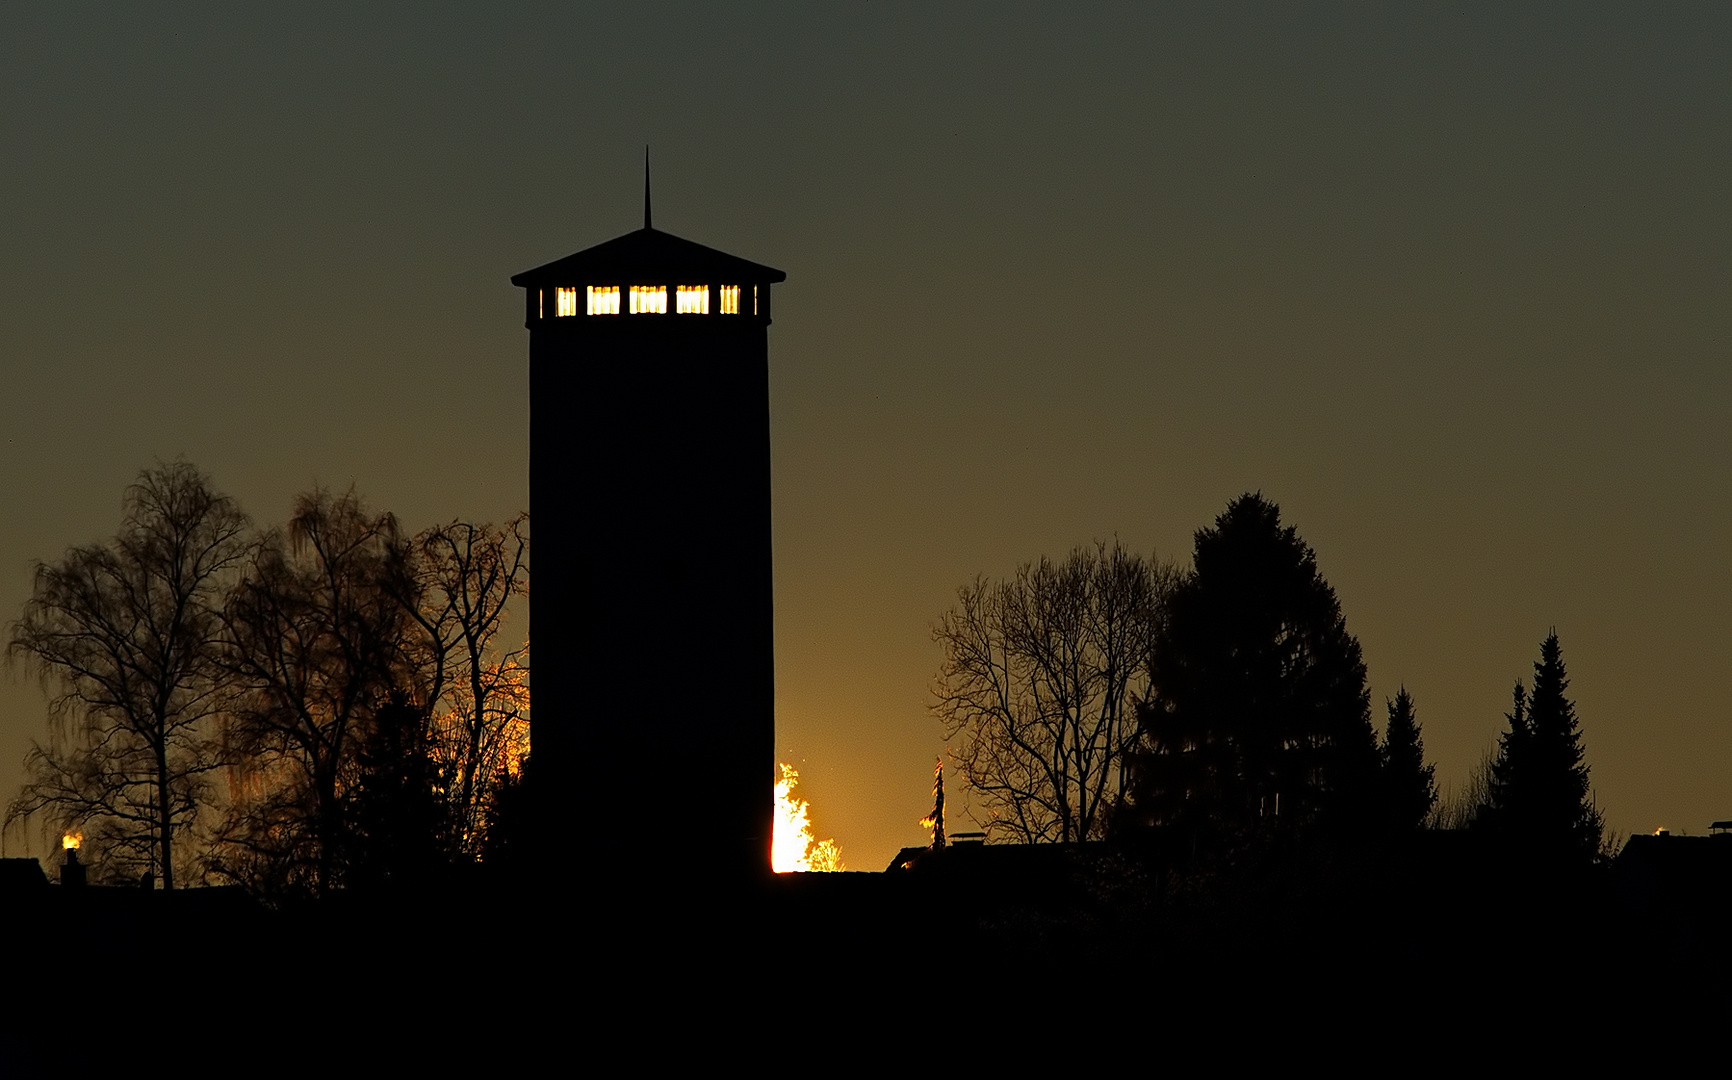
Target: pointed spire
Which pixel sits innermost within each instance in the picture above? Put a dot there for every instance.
(646, 193)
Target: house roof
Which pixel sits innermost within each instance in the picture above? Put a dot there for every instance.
(649, 257)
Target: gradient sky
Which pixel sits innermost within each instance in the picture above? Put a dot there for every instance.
(1451, 286)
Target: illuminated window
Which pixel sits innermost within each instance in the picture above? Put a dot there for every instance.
(649, 299)
(565, 301)
(604, 299)
(754, 299)
(692, 300)
(730, 299)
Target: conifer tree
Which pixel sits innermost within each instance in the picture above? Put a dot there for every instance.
(1259, 712)
(1563, 811)
(1540, 791)
(1509, 769)
(1410, 785)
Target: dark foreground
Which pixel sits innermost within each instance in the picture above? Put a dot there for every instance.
(1005, 948)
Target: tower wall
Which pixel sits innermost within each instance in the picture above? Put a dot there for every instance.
(652, 597)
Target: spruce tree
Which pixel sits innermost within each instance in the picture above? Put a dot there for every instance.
(1540, 789)
(1409, 784)
(1563, 812)
(1259, 713)
(1509, 769)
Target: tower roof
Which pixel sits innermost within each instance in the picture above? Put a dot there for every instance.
(647, 256)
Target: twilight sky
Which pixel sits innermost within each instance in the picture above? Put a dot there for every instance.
(1450, 286)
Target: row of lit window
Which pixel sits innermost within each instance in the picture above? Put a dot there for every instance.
(648, 300)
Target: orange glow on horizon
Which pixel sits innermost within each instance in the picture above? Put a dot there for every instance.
(793, 848)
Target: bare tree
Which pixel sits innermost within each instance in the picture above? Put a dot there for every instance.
(459, 580)
(1037, 692)
(1460, 807)
(127, 634)
(316, 642)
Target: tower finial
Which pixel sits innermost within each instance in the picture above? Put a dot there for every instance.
(646, 201)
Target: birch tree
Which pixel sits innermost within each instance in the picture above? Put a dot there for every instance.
(126, 636)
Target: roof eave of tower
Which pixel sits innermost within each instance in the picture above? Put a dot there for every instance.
(649, 256)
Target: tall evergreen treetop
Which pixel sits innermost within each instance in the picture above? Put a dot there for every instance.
(1564, 806)
(1259, 706)
(1410, 785)
(1540, 791)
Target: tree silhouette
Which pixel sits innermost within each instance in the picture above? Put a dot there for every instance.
(456, 583)
(935, 819)
(128, 633)
(1540, 791)
(1467, 806)
(1409, 784)
(374, 720)
(346, 678)
(401, 819)
(316, 642)
(1259, 710)
(1507, 800)
(507, 843)
(1039, 679)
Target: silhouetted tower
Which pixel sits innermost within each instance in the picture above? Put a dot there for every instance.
(654, 718)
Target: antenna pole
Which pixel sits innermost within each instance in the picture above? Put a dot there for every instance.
(646, 189)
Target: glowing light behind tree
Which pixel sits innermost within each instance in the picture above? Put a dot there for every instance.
(793, 847)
